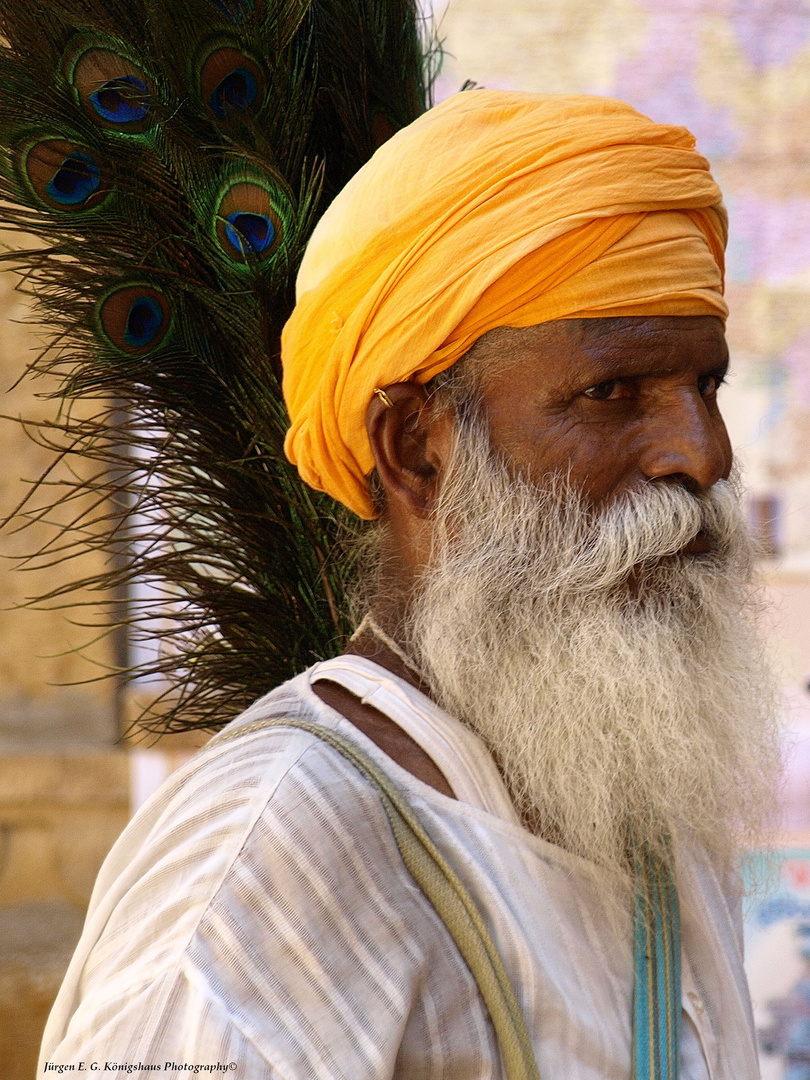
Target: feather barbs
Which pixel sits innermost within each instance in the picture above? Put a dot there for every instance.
(134, 318)
(236, 11)
(174, 209)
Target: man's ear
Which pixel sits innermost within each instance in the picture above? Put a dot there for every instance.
(411, 445)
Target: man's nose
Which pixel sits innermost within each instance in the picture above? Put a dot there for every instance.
(686, 440)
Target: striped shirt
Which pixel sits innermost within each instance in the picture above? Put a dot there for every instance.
(256, 911)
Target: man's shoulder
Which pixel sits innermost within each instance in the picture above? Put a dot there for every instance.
(257, 764)
(269, 802)
(263, 875)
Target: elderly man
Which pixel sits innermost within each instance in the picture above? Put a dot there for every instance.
(508, 345)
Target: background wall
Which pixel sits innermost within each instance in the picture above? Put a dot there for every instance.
(64, 786)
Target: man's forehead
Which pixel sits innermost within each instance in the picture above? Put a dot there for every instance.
(566, 346)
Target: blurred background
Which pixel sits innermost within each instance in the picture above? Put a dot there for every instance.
(737, 72)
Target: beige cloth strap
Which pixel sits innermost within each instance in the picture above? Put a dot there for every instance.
(445, 891)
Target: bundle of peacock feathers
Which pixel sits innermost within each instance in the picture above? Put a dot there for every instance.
(172, 157)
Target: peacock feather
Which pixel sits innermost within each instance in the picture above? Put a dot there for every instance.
(172, 157)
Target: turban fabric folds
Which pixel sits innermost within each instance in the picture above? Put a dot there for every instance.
(493, 209)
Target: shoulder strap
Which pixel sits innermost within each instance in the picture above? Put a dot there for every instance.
(445, 891)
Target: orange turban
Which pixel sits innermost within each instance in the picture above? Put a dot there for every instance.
(493, 209)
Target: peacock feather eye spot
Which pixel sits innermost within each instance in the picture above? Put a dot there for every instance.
(236, 91)
(135, 318)
(76, 179)
(247, 224)
(63, 175)
(121, 101)
(231, 82)
(144, 322)
(112, 90)
(249, 232)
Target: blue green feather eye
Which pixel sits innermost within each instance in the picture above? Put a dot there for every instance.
(112, 90)
(231, 82)
(236, 91)
(76, 179)
(249, 227)
(135, 318)
(252, 233)
(144, 322)
(63, 175)
(121, 101)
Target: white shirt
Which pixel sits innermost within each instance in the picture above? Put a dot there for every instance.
(256, 911)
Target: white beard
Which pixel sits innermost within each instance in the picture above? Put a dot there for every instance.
(620, 687)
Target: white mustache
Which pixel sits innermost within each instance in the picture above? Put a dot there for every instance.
(645, 526)
(603, 547)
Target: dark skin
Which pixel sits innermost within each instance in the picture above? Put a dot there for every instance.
(617, 403)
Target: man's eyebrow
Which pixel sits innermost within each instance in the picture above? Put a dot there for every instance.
(598, 369)
(642, 363)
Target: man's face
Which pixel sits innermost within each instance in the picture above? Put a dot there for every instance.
(516, 520)
(593, 696)
(612, 402)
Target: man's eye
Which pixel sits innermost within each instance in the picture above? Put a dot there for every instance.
(708, 385)
(603, 390)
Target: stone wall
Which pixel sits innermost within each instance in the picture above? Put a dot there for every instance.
(60, 813)
(44, 656)
(64, 784)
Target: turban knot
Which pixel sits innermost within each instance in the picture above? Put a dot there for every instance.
(493, 209)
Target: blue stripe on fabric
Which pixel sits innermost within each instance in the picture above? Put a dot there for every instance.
(657, 961)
